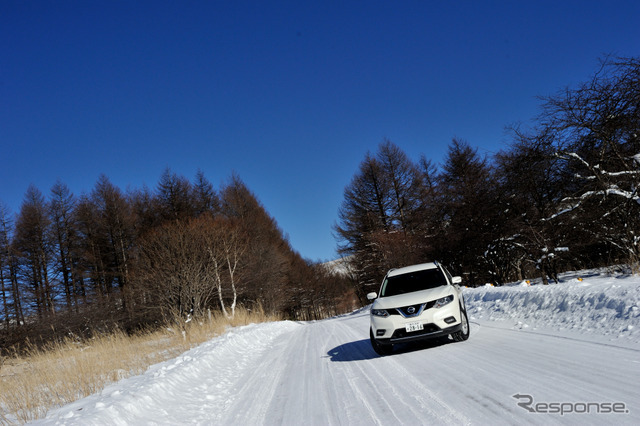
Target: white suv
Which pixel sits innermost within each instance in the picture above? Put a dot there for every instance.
(415, 303)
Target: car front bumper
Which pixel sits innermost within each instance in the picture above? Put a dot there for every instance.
(436, 322)
(426, 334)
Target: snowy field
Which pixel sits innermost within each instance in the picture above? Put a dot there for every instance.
(565, 353)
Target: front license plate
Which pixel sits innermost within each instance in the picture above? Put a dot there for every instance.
(414, 326)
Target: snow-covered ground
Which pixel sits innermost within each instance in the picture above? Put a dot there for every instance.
(590, 305)
(569, 352)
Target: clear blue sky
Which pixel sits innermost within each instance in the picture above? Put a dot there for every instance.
(289, 95)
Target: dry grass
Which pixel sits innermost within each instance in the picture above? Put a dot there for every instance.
(47, 378)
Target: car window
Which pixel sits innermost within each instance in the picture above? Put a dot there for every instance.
(413, 281)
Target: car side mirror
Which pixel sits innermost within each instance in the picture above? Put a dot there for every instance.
(372, 295)
(456, 280)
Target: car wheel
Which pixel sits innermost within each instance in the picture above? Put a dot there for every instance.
(380, 348)
(463, 334)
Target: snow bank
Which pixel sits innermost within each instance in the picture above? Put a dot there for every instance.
(190, 388)
(589, 302)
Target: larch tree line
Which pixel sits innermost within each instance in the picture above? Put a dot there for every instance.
(564, 195)
(139, 259)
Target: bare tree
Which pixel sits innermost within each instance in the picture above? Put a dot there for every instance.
(32, 242)
(65, 238)
(91, 246)
(12, 296)
(467, 216)
(381, 217)
(174, 272)
(531, 180)
(268, 258)
(204, 196)
(226, 245)
(174, 196)
(405, 186)
(596, 135)
(115, 223)
(363, 214)
(4, 263)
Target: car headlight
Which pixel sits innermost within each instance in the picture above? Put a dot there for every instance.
(443, 301)
(379, 313)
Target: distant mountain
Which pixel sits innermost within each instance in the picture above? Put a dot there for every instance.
(341, 267)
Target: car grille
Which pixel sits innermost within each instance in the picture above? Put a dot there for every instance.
(411, 310)
(417, 309)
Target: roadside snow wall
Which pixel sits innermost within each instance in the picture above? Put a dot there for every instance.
(591, 302)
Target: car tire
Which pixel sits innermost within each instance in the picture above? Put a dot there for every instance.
(380, 348)
(463, 334)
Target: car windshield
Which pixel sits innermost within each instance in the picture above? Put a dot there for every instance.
(412, 281)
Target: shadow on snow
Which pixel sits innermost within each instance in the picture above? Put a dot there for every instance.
(361, 350)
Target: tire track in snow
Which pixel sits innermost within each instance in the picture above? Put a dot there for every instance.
(352, 374)
(258, 386)
(389, 374)
(289, 384)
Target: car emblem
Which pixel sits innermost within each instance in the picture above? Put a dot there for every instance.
(411, 310)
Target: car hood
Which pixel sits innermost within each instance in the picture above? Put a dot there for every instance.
(412, 298)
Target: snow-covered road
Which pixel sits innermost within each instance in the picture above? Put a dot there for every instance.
(325, 372)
